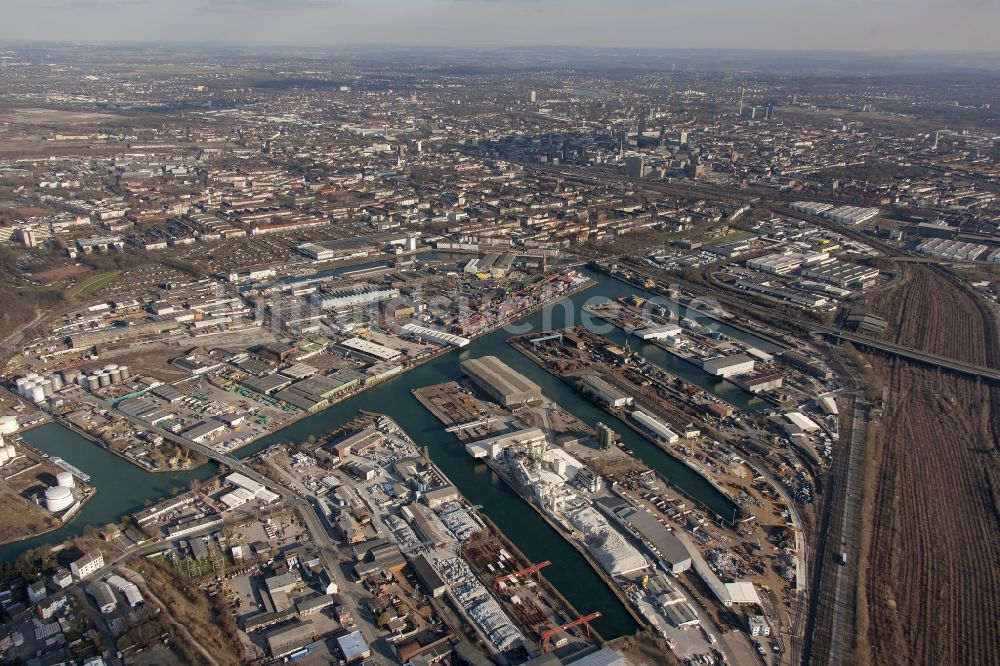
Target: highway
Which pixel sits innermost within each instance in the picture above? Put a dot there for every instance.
(912, 354)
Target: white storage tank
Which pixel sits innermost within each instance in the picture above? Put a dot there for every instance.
(8, 424)
(37, 394)
(65, 480)
(116, 375)
(57, 382)
(93, 382)
(126, 373)
(58, 498)
(103, 378)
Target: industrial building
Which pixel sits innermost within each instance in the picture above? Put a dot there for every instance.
(493, 446)
(334, 299)
(659, 332)
(605, 392)
(433, 335)
(851, 215)
(370, 350)
(841, 274)
(103, 597)
(429, 579)
(661, 541)
(782, 263)
(655, 426)
(500, 382)
(728, 366)
(289, 638)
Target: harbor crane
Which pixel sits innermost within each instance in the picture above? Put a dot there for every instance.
(527, 571)
(585, 621)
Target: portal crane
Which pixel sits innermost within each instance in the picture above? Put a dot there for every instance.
(527, 571)
(585, 620)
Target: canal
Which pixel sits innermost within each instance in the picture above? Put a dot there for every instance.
(123, 487)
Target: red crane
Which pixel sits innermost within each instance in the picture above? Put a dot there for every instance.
(585, 620)
(527, 571)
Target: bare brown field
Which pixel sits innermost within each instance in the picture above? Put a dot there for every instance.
(39, 116)
(59, 274)
(932, 580)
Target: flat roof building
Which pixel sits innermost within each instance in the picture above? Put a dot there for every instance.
(728, 366)
(605, 391)
(287, 639)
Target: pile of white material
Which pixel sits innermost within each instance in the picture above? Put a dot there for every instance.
(479, 604)
(403, 534)
(606, 544)
(458, 521)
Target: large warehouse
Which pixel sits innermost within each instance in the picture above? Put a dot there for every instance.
(500, 382)
(728, 366)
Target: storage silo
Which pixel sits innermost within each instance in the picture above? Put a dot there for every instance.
(37, 394)
(103, 378)
(93, 382)
(65, 480)
(126, 373)
(116, 375)
(8, 424)
(58, 498)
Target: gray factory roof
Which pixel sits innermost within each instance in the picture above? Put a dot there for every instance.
(671, 548)
(721, 362)
(493, 371)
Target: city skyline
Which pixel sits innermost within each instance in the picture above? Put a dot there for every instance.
(854, 25)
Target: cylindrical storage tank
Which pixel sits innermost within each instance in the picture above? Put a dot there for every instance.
(81, 379)
(57, 382)
(110, 367)
(47, 387)
(58, 498)
(11, 451)
(116, 376)
(126, 373)
(104, 379)
(65, 480)
(8, 424)
(93, 382)
(37, 394)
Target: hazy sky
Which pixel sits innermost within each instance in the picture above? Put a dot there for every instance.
(767, 24)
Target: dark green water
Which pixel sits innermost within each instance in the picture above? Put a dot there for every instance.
(123, 487)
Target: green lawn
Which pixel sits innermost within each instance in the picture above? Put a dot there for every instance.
(93, 284)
